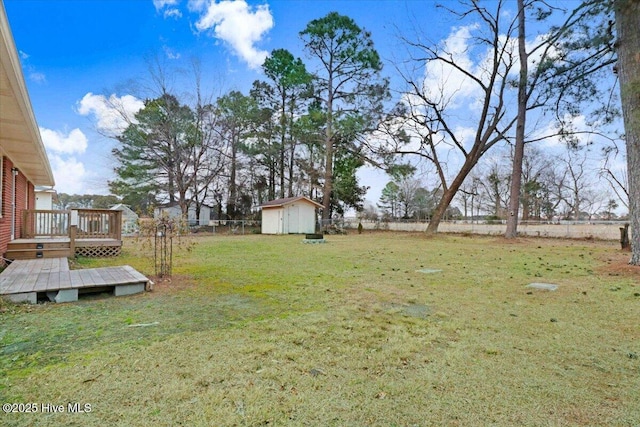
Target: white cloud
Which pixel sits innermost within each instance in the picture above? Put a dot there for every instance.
(161, 4)
(62, 149)
(172, 13)
(37, 77)
(444, 82)
(549, 132)
(30, 70)
(171, 54)
(113, 114)
(57, 142)
(69, 173)
(237, 24)
(465, 135)
(166, 7)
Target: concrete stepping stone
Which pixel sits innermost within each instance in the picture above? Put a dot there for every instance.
(543, 286)
(428, 271)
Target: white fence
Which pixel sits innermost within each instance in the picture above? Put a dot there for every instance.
(603, 230)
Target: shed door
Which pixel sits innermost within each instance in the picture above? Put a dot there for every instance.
(294, 219)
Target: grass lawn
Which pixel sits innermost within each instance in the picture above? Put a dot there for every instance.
(264, 330)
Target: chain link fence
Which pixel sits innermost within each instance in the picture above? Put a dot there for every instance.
(240, 227)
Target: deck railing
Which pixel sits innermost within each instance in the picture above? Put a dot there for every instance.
(45, 223)
(90, 223)
(99, 224)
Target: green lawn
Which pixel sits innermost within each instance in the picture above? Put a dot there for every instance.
(264, 330)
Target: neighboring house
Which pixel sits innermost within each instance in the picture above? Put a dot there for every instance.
(206, 214)
(44, 198)
(292, 215)
(129, 218)
(23, 159)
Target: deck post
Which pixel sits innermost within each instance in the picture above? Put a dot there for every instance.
(118, 225)
(73, 232)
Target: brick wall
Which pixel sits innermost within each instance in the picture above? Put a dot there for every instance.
(25, 199)
(5, 221)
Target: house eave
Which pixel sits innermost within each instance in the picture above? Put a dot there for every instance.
(20, 138)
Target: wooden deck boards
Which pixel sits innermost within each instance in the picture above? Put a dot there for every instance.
(53, 274)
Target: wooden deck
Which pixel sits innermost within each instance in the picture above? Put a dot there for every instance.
(57, 247)
(27, 280)
(67, 233)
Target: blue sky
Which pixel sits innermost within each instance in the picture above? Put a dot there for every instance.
(77, 53)
(72, 49)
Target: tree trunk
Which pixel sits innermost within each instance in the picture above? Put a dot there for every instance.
(292, 155)
(328, 166)
(233, 189)
(439, 211)
(449, 194)
(328, 179)
(518, 155)
(184, 205)
(628, 29)
(272, 181)
(283, 139)
(292, 164)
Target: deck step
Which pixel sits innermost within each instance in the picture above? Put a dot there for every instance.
(37, 253)
(34, 249)
(17, 245)
(60, 247)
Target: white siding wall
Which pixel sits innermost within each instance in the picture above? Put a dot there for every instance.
(307, 218)
(298, 217)
(44, 201)
(272, 220)
(175, 211)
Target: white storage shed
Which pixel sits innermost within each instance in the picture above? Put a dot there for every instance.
(292, 215)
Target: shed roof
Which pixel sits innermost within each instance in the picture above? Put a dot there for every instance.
(289, 200)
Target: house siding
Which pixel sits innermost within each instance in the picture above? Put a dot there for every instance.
(25, 199)
(5, 221)
(175, 212)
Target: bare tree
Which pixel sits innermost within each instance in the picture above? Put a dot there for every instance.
(536, 167)
(566, 64)
(618, 180)
(407, 191)
(428, 117)
(577, 190)
(437, 128)
(495, 185)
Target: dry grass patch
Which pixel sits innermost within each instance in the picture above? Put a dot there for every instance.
(259, 330)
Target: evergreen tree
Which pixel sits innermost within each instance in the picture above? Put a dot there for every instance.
(348, 82)
(155, 155)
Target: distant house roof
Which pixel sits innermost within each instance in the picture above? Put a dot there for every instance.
(287, 201)
(44, 189)
(127, 211)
